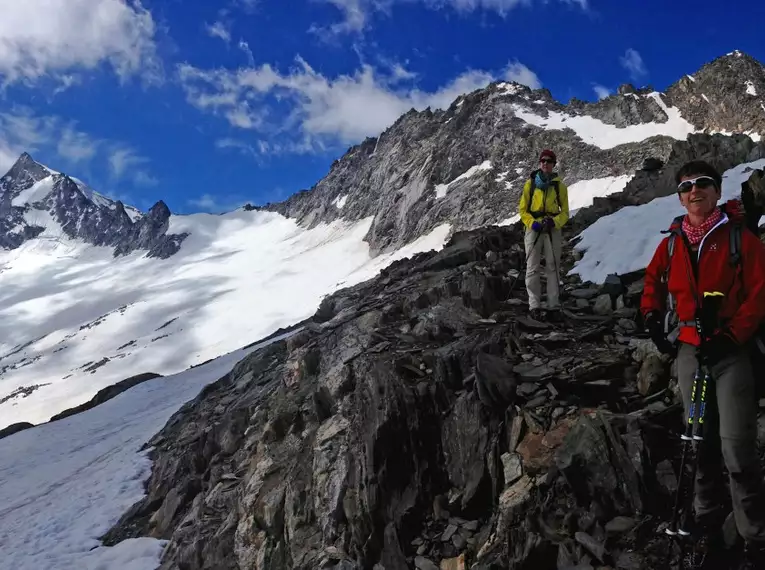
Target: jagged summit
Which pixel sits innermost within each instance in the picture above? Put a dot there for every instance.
(724, 95)
(23, 174)
(30, 189)
(465, 165)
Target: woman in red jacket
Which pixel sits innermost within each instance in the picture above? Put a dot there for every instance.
(700, 261)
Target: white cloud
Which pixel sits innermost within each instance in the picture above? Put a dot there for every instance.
(124, 161)
(22, 130)
(65, 82)
(633, 62)
(600, 91)
(143, 178)
(53, 37)
(321, 110)
(8, 155)
(248, 5)
(236, 144)
(519, 73)
(245, 47)
(356, 13)
(219, 30)
(217, 204)
(76, 146)
(400, 73)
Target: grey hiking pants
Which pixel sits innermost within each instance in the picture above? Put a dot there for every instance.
(730, 435)
(550, 243)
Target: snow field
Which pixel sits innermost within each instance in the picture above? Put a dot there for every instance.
(237, 278)
(626, 240)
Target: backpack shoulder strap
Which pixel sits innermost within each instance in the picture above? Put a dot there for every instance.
(532, 186)
(556, 185)
(735, 244)
(673, 235)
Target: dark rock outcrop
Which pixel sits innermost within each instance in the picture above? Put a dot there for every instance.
(107, 394)
(422, 420)
(14, 428)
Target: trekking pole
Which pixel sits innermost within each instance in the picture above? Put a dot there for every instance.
(694, 430)
(555, 261)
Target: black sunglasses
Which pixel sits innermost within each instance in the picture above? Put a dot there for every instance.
(702, 183)
(547, 160)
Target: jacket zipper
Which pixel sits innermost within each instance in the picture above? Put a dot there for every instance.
(697, 263)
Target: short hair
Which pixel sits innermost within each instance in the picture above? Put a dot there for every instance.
(698, 167)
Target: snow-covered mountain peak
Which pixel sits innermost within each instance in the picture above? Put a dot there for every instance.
(24, 173)
(26, 182)
(36, 200)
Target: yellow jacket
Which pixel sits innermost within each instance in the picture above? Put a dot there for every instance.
(531, 208)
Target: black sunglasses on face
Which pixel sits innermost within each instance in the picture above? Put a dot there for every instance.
(702, 183)
(547, 161)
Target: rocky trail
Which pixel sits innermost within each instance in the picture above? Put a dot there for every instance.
(422, 420)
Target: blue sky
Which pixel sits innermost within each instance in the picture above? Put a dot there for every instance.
(209, 104)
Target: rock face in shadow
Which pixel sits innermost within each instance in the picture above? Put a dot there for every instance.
(423, 420)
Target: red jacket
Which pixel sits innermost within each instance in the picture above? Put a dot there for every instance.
(744, 307)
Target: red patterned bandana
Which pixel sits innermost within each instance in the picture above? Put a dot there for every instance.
(697, 233)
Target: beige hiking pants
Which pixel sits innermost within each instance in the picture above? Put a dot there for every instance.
(550, 243)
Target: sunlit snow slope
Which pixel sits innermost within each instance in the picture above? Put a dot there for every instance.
(595, 132)
(626, 240)
(64, 484)
(74, 319)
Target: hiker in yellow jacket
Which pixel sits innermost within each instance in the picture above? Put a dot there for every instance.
(544, 211)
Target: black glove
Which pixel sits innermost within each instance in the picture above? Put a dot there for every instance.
(655, 326)
(549, 223)
(718, 347)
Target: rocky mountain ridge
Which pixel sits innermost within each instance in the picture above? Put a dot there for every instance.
(30, 188)
(465, 165)
(422, 420)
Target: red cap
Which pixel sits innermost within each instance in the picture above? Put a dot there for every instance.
(547, 153)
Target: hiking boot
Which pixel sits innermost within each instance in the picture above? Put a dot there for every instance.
(554, 315)
(754, 556)
(537, 314)
(708, 552)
